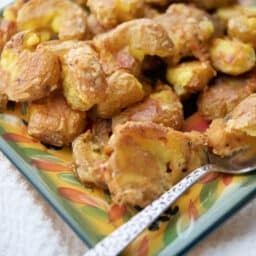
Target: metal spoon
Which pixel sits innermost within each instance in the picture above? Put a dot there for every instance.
(240, 163)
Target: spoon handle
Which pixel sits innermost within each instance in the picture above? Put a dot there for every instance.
(113, 244)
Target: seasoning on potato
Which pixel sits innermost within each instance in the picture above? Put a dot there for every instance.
(232, 57)
(190, 77)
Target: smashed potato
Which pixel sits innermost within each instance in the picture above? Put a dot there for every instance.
(136, 38)
(160, 156)
(229, 12)
(89, 156)
(62, 17)
(213, 4)
(190, 77)
(243, 117)
(10, 12)
(232, 57)
(110, 13)
(32, 73)
(243, 28)
(189, 28)
(7, 30)
(223, 95)
(84, 82)
(224, 141)
(161, 107)
(123, 90)
(52, 121)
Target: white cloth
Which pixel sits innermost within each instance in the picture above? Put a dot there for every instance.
(29, 227)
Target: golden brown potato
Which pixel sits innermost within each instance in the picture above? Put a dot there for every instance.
(7, 30)
(123, 90)
(52, 121)
(223, 95)
(110, 13)
(212, 4)
(89, 154)
(243, 117)
(243, 28)
(33, 73)
(161, 107)
(63, 17)
(148, 159)
(61, 48)
(10, 12)
(224, 141)
(189, 28)
(84, 81)
(232, 57)
(158, 2)
(227, 13)
(131, 41)
(3, 85)
(190, 77)
(81, 2)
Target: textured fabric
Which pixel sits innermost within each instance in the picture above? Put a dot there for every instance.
(28, 226)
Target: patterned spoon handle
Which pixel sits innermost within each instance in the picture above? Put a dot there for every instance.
(113, 244)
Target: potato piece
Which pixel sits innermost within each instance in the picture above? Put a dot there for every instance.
(10, 12)
(53, 122)
(89, 156)
(243, 117)
(179, 21)
(212, 4)
(190, 77)
(243, 28)
(110, 13)
(225, 142)
(231, 56)
(33, 73)
(158, 2)
(161, 107)
(123, 90)
(3, 86)
(133, 39)
(61, 48)
(81, 2)
(148, 159)
(223, 95)
(84, 81)
(7, 30)
(63, 17)
(227, 13)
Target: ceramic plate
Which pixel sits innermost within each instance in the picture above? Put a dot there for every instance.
(91, 213)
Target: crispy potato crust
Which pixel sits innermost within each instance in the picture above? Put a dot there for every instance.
(223, 96)
(224, 141)
(63, 17)
(110, 13)
(243, 117)
(89, 154)
(7, 30)
(160, 156)
(84, 81)
(32, 73)
(52, 121)
(161, 107)
(123, 90)
(137, 38)
(179, 21)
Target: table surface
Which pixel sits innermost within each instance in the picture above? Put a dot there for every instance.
(29, 226)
